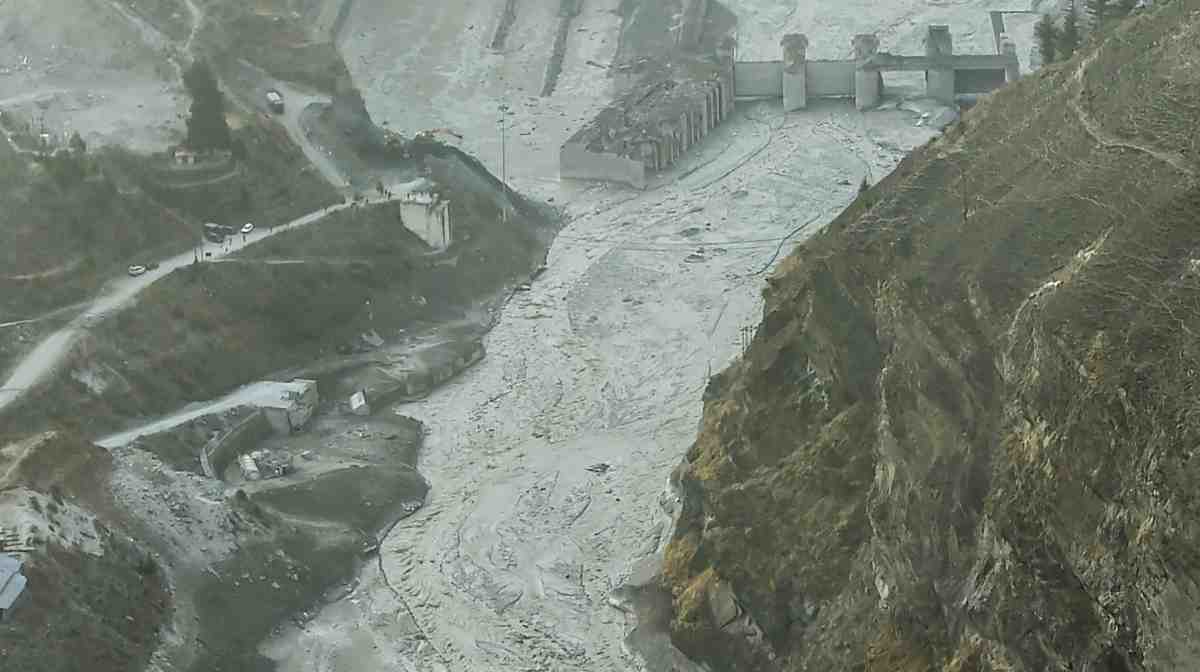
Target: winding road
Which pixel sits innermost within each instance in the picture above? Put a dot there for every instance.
(50, 353)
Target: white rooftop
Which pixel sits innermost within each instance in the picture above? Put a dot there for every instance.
(12, 583)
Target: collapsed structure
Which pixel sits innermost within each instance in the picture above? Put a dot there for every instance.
(650, 126)
(668, 108)
(290, 409)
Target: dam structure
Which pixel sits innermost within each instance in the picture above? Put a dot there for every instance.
(649, 127)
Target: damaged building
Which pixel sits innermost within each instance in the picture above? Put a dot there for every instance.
(673, 95)
(290, 409)
(650, 126)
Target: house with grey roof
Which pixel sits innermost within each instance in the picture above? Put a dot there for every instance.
(12, 584)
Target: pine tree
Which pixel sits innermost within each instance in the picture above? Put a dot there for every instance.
(206, 125)
(1101, 10)
(76, 144)
(1047, 36)
(1068, 39)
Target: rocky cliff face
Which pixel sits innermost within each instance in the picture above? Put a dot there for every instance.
(967, 434)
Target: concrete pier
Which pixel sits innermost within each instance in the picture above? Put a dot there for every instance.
(795, 68)
(939, 81)
(868, 83)
(1012, 71)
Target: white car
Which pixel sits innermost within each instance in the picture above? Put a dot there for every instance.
(247, 227)
(136, 270)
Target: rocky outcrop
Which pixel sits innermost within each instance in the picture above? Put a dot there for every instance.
(965, 435)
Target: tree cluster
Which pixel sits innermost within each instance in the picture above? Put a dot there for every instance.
(1060, 42)
(206, 125)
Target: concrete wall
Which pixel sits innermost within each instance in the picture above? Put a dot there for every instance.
(830, 78)
(575, 161)
(216, 456)
(978, 81)
(430, 221)
(389, 388)
(758, 78)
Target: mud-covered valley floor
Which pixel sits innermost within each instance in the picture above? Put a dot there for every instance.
(602, 364)
(549, 460)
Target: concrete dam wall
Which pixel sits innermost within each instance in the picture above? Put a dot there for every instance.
(795, 79)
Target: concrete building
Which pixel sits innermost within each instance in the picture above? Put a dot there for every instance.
(291, 405)
(652, 125)
(426, 213)
(358, 403)
(797, 80)
(12, 584)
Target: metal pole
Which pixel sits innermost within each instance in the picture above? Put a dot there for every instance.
(503, 164)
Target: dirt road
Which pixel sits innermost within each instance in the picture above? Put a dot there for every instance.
(43, 359)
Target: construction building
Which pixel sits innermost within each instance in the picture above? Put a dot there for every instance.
(12, 584)
(290, 405)
(426, 213)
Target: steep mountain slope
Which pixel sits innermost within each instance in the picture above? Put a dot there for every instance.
(964, 436)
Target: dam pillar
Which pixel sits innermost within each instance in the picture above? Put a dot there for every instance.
(939, 82)
(795, 64)
(868, 83)
(1012, 69)
(725, 55)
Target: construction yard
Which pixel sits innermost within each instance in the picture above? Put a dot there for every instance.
(496, 535)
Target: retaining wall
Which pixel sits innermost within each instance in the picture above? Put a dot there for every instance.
(575, 161)
(419, 382)
(217, 454)
(752, 79)
(829, 78)
(978, 81)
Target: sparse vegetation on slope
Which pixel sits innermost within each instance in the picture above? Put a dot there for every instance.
(962, 437)
(210, 327)
(106, 609)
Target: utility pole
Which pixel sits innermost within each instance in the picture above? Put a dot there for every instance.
(503, 163)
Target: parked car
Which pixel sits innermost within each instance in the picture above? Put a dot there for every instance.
(247, 227)
(275, 101)
(152, 266)
(136, 270)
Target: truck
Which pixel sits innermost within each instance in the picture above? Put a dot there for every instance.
(275, 101)
(215, 232)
